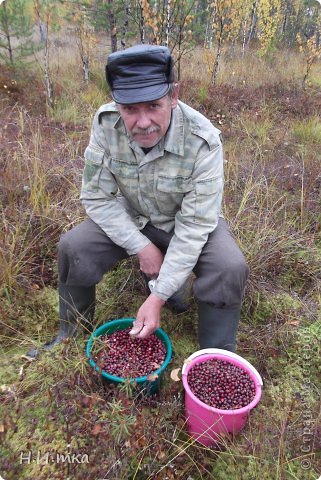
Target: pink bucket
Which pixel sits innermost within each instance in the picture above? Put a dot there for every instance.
(207, 424)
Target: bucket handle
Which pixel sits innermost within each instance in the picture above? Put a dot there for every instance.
(222, 352)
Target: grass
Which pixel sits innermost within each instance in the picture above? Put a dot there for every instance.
(272, 202)
(251, 70)
(308, 132)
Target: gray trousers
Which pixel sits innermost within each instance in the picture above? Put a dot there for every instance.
(85, 254)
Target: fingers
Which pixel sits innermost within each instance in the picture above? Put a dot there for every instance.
(148, 317)
(141, 330)
(138, 325)
(145, 332)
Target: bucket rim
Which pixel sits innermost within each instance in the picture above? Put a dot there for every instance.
(227, 353)
(245, 363)
(114, 378)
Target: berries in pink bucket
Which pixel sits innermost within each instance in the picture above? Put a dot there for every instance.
(221, 384)
(221, 388)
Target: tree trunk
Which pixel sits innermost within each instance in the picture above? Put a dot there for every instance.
(43, 32)
(45, 41)
(125, 26)
(168, 16)
(48, 83)
(253, 20)
(112, 26)
(85, 66)
(142, 23)
(211, 27)
(179, 54)
(218, 55)
(244, 35)
(284, 23)
(7, 35)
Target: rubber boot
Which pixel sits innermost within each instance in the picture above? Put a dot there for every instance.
(177, 303)
(76, 306)
(217, 327)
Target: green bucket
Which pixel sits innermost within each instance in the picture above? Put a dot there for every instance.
(144, 384)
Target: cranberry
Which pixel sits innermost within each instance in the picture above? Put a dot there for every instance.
(221, 384)
(129, 357)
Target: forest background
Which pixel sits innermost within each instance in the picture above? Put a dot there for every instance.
(253, 68)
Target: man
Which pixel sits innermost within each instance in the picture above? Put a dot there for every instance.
(152, 187)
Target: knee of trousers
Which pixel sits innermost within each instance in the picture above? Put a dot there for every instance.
(222, 285)
(76, 264)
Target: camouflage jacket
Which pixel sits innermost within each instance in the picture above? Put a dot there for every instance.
(176, 185)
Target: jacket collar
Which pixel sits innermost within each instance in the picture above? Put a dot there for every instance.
(174, 138)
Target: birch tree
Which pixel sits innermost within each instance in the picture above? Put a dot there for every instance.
(112, 25)
(253, 21)
(125, 24)
(269, 14)
(86, 39)
(223, 19)
(180, 26)
(45, 11)
(310, 45)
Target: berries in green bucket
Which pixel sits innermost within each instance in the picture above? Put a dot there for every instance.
(221, 384)
(146, 384)
(129, 357)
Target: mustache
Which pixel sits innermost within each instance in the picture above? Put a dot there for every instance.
(145, 131)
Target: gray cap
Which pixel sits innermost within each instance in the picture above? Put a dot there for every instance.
(142, 73)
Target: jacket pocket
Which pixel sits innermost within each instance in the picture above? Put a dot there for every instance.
(93, 167)
(123, 169)
(126, 176)
(208, 199)
(170, 193)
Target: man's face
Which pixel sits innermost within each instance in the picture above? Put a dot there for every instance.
(147, 122)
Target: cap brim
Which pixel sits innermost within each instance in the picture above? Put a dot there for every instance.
(138, 95)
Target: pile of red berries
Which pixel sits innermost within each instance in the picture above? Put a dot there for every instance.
(221, 384)
(128, 357)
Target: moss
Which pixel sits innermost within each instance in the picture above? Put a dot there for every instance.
(9, 368)
(307, 353)
(250, 467)
(271, 306)
(231, 467)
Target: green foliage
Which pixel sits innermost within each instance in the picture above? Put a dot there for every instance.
(268, 22)
(16, 31)
(121, 422)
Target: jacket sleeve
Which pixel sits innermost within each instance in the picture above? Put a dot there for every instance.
(197, 218)
(99, 196)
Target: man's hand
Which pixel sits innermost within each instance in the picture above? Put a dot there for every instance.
(150, 260)
(148, 317)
